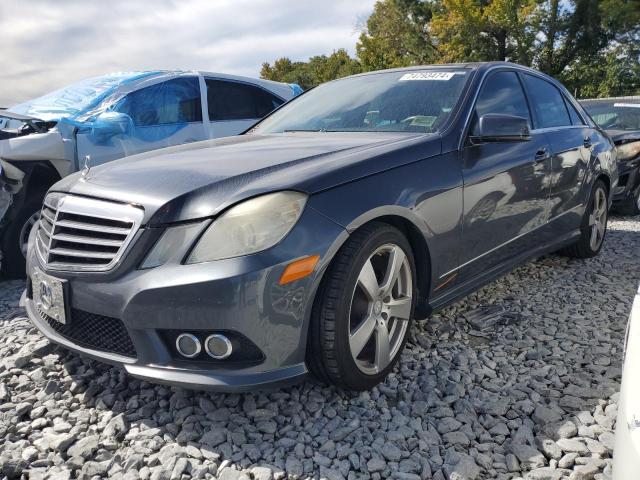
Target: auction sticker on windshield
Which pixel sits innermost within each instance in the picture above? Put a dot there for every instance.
(427, 76)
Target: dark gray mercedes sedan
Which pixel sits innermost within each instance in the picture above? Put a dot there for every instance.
(310, 242)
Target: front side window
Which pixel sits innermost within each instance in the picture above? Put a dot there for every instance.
(402, 101)
(547, 102)
(615, 114)
(238, 101)
(166, 103)
(503, 94)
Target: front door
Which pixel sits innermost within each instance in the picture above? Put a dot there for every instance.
(160, 115)
(505, 183)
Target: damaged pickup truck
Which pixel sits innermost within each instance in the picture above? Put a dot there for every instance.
(110, 117)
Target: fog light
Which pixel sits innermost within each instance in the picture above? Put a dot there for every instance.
(188, 345)
(218, 346)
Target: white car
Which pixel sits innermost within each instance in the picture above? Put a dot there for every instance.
(113, 116)
(626, 454)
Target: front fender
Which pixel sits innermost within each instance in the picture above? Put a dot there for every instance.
(427, 194)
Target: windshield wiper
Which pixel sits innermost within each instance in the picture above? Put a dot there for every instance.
(293, 130)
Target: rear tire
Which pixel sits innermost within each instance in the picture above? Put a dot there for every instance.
(363, 309)
(594, 225)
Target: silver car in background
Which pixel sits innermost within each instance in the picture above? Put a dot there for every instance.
(113, 116)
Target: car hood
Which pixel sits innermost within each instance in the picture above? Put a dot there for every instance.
(200, 180)
(623, 136)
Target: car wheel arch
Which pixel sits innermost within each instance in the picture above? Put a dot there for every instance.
(605, 179)
(39, 176)
(401, 220)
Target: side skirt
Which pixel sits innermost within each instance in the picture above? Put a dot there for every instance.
(499, 270)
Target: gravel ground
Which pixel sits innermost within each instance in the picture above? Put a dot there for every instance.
(529, 391)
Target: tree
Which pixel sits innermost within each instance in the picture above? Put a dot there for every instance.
(592, 46)
(610, 74)
(316, 70)
(480, 30)
(284, 70)
(597, 52)
(397, 35)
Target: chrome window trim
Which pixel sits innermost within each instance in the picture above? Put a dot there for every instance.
(519, 70)
(91, 207)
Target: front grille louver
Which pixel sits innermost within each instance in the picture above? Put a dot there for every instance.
(85, 234)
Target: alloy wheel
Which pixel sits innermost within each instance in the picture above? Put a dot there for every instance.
(380, 309)
(26, 230)
(598, 219)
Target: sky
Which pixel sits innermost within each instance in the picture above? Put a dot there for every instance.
(45, 45)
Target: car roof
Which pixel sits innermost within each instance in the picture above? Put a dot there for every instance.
(284, 90)
(479, 66)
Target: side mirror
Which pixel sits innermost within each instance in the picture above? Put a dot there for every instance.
(112, 123)
(498, 127)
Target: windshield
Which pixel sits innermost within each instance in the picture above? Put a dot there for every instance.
(75, 99)
(405, 101)
(617, 114)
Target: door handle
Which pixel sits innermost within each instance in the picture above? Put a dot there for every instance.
(541, 155)
(587, 142)
(189, 140)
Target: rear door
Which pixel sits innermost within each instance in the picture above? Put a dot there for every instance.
(505, 183)
(235, 106)
(570, 141)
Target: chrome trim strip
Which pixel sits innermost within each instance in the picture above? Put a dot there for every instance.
(90, 227)
(65, 237)
(508, 242)
(67, 252)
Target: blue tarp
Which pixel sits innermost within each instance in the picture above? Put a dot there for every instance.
(297, 89)
(77, 99)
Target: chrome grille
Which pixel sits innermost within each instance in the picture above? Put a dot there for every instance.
(85, 234)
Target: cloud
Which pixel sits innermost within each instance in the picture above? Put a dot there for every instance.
(47, 45)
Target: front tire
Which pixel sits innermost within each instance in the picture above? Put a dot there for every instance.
(363, 309)
(594, 225)
(15, 238)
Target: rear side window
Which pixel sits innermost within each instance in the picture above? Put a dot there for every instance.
(501, 93)
(238, 101)
(547, 103)
(170, 102)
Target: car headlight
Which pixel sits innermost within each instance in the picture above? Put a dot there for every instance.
(628, 151)
(250, 227)
(169, 243)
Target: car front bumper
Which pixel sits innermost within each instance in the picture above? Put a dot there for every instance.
(239, 296)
